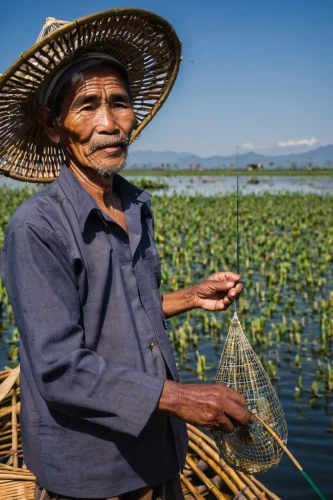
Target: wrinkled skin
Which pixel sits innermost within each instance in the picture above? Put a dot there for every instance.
(96, 120)
(214, 406)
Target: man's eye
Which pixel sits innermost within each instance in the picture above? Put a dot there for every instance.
(120, 105)
(87, 107)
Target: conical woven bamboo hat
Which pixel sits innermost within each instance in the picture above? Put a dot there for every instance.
(143, 42)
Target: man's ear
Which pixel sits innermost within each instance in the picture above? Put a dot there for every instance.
(45, 118)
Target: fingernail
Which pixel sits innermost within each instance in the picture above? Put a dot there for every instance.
(230, 284)
(232, 294)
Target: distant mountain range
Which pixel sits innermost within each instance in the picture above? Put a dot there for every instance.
(319, 157)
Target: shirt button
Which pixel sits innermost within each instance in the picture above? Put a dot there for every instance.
(151, 346)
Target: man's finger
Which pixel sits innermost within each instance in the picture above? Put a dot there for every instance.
(228, 276)
(238, 413)
(226, 424)
(235, 292)
(220, 305)
(224, 276)
(221, 286)
(236, 397)
(226, 301)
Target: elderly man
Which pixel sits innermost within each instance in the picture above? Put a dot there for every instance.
(103, 413)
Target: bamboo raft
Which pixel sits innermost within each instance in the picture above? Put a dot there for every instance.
(205, 477)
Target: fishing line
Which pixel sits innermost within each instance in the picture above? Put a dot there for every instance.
(237, 212)
(237, 223)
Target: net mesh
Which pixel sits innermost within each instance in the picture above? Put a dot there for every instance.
(254, 450)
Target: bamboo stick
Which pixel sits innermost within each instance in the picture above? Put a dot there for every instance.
(14, 431)
(9, 382)
(292, 458)
(204, 436)
(210, 486)
(215, 467)
(6, 453)
(16, 477)
(281, 443)
(259, 494)
(241, 486)
(191, 488)
(270, 495)
(228, 470)
(211, 444)
(14, 469)
(8, 411)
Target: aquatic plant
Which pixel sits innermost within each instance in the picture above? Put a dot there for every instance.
(286, 264)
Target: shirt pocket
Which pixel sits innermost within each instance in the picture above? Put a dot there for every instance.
(153, 268)
(148, 275)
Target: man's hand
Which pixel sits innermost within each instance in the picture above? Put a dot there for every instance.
(214, 406)
(218, 291)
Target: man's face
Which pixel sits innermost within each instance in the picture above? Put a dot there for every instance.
(96, 120)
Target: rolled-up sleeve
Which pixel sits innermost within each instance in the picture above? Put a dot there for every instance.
(72, 379)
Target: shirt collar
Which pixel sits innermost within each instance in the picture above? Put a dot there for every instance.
(83, 203)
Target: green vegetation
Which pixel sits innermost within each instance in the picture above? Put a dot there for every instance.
(150, 184)
(287, 266)
(10, 199)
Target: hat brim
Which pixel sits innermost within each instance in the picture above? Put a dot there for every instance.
(143, 42)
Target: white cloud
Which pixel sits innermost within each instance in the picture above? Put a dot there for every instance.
(248, 146)
(300, 142)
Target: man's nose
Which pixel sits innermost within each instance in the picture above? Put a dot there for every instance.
(105, 122)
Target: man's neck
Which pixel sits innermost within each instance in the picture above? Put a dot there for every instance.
(101, 189)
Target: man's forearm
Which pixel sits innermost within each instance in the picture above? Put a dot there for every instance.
(179, 302)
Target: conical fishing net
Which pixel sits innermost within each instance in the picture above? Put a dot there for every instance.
(254, 450)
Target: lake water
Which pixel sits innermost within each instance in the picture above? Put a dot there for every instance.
(217, 185)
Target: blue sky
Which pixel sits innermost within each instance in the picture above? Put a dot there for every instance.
(262, 76)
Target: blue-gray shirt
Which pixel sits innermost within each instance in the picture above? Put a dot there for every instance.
(94, 350)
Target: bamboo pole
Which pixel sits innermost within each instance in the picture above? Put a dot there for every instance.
(280, 443)
(16, 477)
(260, 495)
(14, 431)
(270, 495)
(215, 456)
(14, 469)
(215, 467)
(204, 436)
(9, 381)
(207, 482)
(9, 409)
(212, 446)
(292, 458)
(191, 488)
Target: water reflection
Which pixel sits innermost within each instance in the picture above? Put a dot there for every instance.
(219, 185)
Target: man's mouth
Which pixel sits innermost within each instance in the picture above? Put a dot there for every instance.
(110, 149)
(109, 146)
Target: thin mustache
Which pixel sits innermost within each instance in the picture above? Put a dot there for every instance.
(109, 143)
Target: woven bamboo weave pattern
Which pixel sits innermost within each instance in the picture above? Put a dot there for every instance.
(143, 42)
